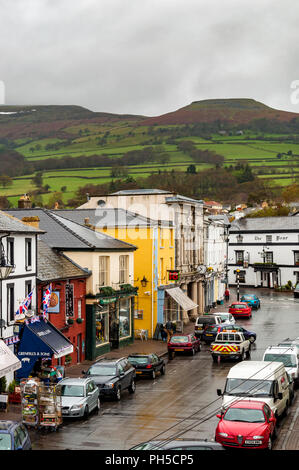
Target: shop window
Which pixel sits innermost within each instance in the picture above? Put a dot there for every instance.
(296, 255)
(124, 317)
(102, 326)
(239, 258)
(123, 269)
(103, 271)
(269, 257)
(241, 277)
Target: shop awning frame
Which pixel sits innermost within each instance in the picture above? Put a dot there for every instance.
(181, 298)
(8, 361)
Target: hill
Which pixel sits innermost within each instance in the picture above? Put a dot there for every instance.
(233, 111)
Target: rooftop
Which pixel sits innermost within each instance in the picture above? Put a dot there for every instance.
(9, 223)
(262, 224)
(130, 192)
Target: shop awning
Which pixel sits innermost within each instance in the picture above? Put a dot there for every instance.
(181, 298)
(41, 340)
(8, 361)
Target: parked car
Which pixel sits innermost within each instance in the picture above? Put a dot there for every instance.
(290, 343)
(147, 364)
(183, 343)
(112, 376)
(226, 317)
(79, 397)
(247, 424)
(14, 436)
(288, 355)
(203, 321)
(178, 444)
(296, 291)
(240, 329)
(240, 309)
(252, 300)
(210, 333)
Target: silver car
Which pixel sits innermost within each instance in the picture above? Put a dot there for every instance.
(79, 397)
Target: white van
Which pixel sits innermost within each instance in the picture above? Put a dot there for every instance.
(288, 355)
(258, 381)
(226, 317)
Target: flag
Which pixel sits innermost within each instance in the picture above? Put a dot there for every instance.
(46, 300)
(23, 308)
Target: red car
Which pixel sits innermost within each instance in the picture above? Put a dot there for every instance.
(240, 309)
(183, 343)
(248, 425)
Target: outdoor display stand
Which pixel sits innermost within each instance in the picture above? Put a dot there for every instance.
(41, 404)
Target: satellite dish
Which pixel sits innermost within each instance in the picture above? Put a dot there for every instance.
(201, 269)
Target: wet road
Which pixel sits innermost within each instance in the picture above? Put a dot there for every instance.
(184, 399)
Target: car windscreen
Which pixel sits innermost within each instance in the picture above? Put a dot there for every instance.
(289, 360)
(205, 320)
(5, 441)
(248, 297)
(212, 329)
(179, 339)
(239, 306)
(249, 387)
(246, 415)
(71, 390)
(103, 369)
(138, 360)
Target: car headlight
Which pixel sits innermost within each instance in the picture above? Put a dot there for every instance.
(223, 434)
(77, 407)
(110, 385)
(258, 437)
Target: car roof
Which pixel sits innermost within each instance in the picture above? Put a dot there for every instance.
(256, 405)
(107, 360)
(140, 354)
(257, 370)
(75, 380)
(281, 349)
(6, 425)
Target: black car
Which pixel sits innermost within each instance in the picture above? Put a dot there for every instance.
(147, 364)
(210, 333)
(112, 376)
(179, 444)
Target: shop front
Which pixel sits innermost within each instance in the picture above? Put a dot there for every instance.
(9, 363)
(109, 323)
(40, 340)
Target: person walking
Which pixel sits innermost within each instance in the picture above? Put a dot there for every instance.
(226, 294)
(169, 329)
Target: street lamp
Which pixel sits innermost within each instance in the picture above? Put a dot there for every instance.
(238, 284)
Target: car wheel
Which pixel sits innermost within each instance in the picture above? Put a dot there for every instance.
(199, 347)
(274, 434)
(153, 375)
(242, 355)
(248, 354)
(269, 446)
(132, 387)
(117, 394)
(171, 355)
(163, 370)
(98, 407)
(215, 359)
(86, 412)
(193, 352)
(252, 339)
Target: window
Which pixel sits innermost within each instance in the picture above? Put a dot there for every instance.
(28, 254)
(28, 287)
(161, 268)
(239, 258)
(102, 326)
(123, 269)
(161, 238)
(103, 270)
(269, 257)
(124, 317)
(296, 256)
(241, 277)
(268, 238)
(10, 302)
(10, 251)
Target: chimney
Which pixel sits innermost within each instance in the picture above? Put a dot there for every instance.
(24, 202)
(86, 221)
(33, 221)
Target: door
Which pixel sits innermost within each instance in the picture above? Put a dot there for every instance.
(113, 326)
(79, 347)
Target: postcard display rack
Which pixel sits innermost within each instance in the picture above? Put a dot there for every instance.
(41, 405)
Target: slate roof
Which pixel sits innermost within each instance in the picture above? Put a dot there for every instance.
(11, 224)
(110, 217)
(140, 192)
(63, 234)
(270, 224)
(53, 265)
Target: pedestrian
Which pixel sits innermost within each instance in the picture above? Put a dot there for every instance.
(169, 329)
(226, 294)
(163, 333)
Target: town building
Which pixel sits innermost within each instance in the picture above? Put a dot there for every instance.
(18, 244)
(264, 251)
(186, 215)
(109, 301)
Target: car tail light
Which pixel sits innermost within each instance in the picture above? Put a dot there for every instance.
(189, 344)
(149, 366)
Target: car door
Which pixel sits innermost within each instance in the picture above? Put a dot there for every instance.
(128, 372)
(92, 390)
(18, 442)
(123, 374)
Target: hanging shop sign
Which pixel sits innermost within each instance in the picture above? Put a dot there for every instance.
(173, 275)
(108, 300)
(69, 300)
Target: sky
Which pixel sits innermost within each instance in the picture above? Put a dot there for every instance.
(148, 57)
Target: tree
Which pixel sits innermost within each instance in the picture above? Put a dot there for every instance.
(5, 181)
(38, 179)
(4, 203)
(291, 193)
(191, 169)
(63, 189)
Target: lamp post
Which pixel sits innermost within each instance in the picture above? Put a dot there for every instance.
(5, 271)
(238, 284)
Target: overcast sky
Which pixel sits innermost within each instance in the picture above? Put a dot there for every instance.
(148, 56)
